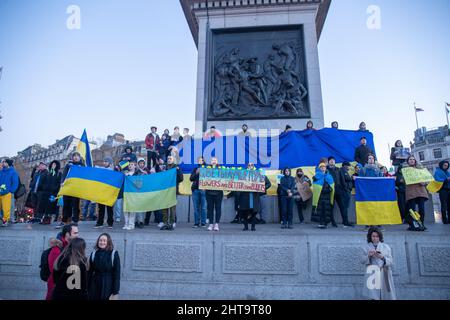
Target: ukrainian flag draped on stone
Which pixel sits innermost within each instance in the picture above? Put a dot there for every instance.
(150, 192)
(294, 149)
(94, 184)
(84, 149)
(376, 201)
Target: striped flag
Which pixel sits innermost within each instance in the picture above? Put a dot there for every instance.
(84, 149)
(376, 202)
(418, 109)
(150, 192)
(95, 184)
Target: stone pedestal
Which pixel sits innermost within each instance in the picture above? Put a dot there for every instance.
(208, 19)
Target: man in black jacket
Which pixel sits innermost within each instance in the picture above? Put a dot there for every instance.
(37, 196)
(344, 193)
(362, 152)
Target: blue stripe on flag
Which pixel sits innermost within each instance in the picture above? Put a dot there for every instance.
(375, 189)
(109, 177)
(152, 182)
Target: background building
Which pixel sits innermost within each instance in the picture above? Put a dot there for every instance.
(430, 147)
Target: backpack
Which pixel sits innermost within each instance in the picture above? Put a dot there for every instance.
(45, 268)
(112, 256)
(21, 190)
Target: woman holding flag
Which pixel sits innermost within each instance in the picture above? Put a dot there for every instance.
(323, 195)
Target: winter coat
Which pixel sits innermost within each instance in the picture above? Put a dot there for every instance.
(400, 185)
(287, 183)
(57, 246)
(251, 200)
(417, 190)
(60, 277)
(36, 180)
(104, 275)
(10, 179)
(386, 289)
(131, 157)
(362, 154)
(195, 178)
(151, 143)
(345, 182)
(51, 180)
(371, 170)
(395, 161)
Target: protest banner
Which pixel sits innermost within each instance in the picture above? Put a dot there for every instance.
(232, 179)
(413, 175)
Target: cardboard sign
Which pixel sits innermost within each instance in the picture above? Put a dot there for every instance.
(232, 179)
(413, 175)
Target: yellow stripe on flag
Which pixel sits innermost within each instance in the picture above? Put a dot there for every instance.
(434, 186)
(372, 213)
(90, 190)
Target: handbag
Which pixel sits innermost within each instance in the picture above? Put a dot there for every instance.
(20, 192)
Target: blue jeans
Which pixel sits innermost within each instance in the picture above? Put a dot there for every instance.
(118, 209)
(91, 206)
(287, 207)
(199, 200)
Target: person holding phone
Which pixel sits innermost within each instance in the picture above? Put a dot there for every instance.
(377, 257)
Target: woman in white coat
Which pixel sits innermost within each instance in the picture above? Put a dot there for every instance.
(377, 257)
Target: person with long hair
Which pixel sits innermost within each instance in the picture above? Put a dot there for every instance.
(378, 260)
(302, 193)
(104, 270)
(214, 202)
(415, 194)
(70, 272)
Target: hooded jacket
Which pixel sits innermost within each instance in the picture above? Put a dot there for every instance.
(129, 156)
(9, 181)
(442, 175)
(51, 179)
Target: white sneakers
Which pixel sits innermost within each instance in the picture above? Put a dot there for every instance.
(214, 227)
(160, 225)
(174, 225)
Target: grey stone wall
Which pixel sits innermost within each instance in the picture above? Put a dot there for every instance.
(305, 263)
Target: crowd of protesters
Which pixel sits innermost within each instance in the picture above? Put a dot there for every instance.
(336, 186)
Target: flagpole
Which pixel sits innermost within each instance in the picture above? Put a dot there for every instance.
(415, 111)
(446, 114)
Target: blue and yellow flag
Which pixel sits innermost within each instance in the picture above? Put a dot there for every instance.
(150, 192)
(376, 201)
(95, 184)
(84, 149)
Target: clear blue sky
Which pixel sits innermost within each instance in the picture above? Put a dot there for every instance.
(133, 64)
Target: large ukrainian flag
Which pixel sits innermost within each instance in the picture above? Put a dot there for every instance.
(95, 184)
(376, 201)
(150, 192)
